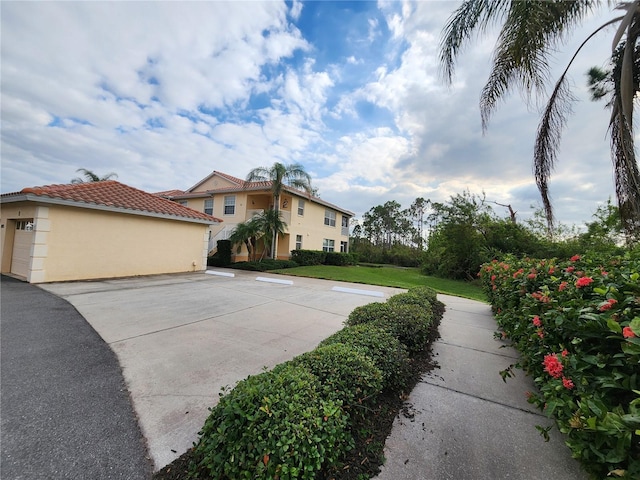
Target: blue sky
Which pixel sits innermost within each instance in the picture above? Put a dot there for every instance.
(163, 93)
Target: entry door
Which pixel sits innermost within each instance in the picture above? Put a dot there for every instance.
(21, 256)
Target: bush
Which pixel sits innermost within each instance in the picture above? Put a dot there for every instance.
(340, 259)
(273, 425)
(222, 257)
(347, 375)
(386, 351)
(308, 257)
(264, 265)
(411, 324)
(576, 324)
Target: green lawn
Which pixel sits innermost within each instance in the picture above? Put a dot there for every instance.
(388, 276)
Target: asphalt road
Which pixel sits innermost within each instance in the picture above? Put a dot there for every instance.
(66, 412)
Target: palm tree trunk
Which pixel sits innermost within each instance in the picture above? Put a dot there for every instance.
(274, 242)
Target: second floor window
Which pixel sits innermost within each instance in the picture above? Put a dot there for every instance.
(300, 207)
(208, 206)
(330, 218)
(230, 205)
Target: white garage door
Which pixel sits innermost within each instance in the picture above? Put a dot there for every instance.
(22, 241)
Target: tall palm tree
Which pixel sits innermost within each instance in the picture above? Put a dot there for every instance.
(89, 176)
(531, 31)
(280, 175)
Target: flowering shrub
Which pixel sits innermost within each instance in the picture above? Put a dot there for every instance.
(576, 324)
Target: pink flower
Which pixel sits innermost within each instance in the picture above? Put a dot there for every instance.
(628, 333)
(493, 278)
(552, 365)
(536, 321)
(562, 286)
(575, 258)
(540, 333)
(531, 276)
(570, 269)
(568, 384)
(584, 282)
(565, 352)
(552, 270)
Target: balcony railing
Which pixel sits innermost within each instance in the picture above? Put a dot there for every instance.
(285, 215)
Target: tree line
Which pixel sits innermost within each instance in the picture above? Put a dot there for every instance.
(453, 238)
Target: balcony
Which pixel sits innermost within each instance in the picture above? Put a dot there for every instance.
(285, 215)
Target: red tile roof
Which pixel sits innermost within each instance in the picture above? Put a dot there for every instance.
(114, 195)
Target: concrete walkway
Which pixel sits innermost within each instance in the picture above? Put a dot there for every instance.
(468, 424)
(66, 412)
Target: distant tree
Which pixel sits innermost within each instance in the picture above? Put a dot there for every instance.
(418, 209)
(89, 176)
(281, 175)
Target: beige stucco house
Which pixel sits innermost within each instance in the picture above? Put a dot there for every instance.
(98, 230)
(313, 224)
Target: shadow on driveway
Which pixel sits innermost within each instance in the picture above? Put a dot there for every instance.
(66, 412)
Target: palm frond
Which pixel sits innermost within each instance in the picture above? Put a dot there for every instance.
(531, 30)
(471, 16)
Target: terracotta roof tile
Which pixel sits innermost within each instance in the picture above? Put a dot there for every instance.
(111, 193)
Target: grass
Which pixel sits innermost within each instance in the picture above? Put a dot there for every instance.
(388, 276)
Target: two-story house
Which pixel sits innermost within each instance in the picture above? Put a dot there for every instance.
(312, 223)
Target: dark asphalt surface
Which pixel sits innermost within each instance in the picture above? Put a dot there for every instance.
(65, 410)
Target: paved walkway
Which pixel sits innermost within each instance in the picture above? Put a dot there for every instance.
(468, 424)
(66, 412)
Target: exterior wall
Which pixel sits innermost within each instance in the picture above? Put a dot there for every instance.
(77, 244)
(310, 225)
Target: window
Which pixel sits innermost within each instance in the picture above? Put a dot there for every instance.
(26, 225)
(208, 206)
(230, 205)
(345, 226)
(344, 247)
(300, 207)
(298, 242)
(184, 203)
(328, 245)
(330, 218)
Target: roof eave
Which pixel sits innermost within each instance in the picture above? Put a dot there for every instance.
(105, 208)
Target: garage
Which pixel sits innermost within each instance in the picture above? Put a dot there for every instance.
(99, 230)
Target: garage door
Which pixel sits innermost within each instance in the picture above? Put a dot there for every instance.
(21, 256)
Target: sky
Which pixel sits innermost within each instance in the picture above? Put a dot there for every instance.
(164, 93)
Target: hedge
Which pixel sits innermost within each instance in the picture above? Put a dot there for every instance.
(576, 324)
(300, 418)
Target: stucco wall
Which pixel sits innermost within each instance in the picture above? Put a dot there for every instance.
(75, 243)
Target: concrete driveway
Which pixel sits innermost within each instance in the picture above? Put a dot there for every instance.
(180, 338)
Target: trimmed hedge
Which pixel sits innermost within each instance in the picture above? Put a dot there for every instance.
(347, 375)
(340, 259)
(274, 425)
(264, 265)
(308, 257)
(411, 324)
(301, 418)
(386, 351)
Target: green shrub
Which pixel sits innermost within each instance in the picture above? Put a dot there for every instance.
(576, 324)
(346, 374)
(264, 265)
(410, 298)
(273, 425)
(411, 324)
(340, 259)
(308, 257)
(386, 351)
(222, 257)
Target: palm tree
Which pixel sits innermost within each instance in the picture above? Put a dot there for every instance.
(248, 233)
(89, 176)
(530, 33)
(280, 175)
(271, 225)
